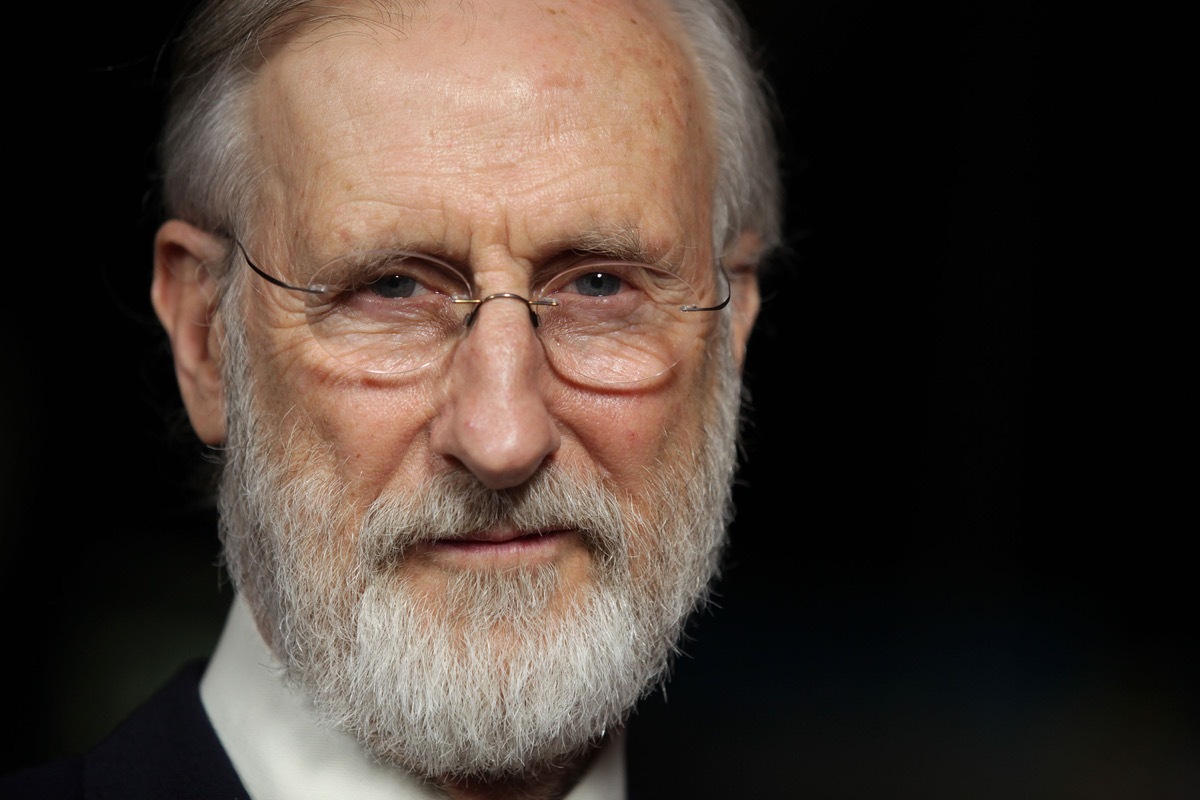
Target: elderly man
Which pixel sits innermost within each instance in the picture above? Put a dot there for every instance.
(460, 293)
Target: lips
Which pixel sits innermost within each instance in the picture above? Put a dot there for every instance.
(500, 536)
(505, 545)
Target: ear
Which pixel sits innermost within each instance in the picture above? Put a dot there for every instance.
(741, 264)
(184, 295)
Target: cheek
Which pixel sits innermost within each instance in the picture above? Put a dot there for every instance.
(364, 433)
(373, 434)
(627, 435)
(661, 424)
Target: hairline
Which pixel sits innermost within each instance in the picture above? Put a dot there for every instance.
(215, 114)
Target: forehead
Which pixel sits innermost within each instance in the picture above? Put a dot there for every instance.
(510, 123)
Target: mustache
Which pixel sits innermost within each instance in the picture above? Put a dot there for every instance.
(453, 504)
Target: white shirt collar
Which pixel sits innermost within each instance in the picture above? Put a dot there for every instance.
(281, 751)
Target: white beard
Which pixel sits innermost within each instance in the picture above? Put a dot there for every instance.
(505, 673)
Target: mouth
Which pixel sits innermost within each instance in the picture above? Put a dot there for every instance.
(501, 547)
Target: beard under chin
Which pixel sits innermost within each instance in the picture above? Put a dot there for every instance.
(499, 673)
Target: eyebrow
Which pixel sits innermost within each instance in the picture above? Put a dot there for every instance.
(623, 243)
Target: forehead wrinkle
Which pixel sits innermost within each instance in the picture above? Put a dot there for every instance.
(311, 197)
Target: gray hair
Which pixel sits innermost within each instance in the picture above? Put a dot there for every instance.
(207, 160)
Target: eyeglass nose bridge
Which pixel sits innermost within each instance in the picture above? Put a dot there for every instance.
(478, 302)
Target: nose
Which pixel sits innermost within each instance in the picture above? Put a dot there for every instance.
(494, 419)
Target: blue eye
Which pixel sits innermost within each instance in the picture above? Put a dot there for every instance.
(393, 286)
(598, 284)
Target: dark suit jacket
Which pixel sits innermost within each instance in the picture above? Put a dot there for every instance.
(166, 750)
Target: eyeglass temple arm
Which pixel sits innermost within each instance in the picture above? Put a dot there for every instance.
(720, 305)
(271, 278)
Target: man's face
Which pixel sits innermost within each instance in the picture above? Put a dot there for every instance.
(498, 139)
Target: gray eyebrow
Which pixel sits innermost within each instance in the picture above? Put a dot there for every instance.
(624, 242)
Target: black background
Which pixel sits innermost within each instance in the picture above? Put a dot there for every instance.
(960, 564)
